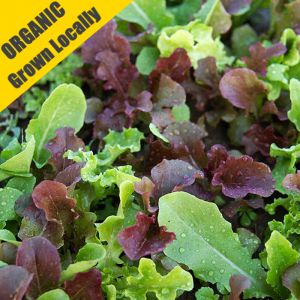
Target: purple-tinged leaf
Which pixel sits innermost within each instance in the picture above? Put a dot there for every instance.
(242, 88)
(14, 282)
(207, 72)
(169, 93)
(292, 182)
(186, 139)
(241, 176)
(270, 108)
(173, 175)
(232, 207)
(235, 6)
(176, 66)
(144, 238)
(238, 284)
(109, 53)
(158, 151)
(40, 258)
(70, 175)
(259, 56)
(259, 139)
(146, 188)
(34, 223)
(291, 279)
(216, 155)
(52, 198)
(64, 140)
(85, 286)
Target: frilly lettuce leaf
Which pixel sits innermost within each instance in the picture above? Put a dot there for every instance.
(149, 280)
(197, 39)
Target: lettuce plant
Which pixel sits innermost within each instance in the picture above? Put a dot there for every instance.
(160, 160)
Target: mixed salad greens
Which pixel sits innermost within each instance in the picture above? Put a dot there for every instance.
(160, 160)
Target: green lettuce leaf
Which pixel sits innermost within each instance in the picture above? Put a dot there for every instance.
(197, 39)
(57, 294)
(65, 107)
(206, 293)
(8, 198)
(206, 243)
(145, 13)
(280, 256)
(149, 280)
(19, 164)
(294, 112)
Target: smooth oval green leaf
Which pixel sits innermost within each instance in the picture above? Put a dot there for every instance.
(206, 243)
(8, 236)
(145, 12)
(79, 267)
(280, 256)
(65, 107)
(57, 294)
(8, 198)
(19, 165)
(294, 112)
(91, 251)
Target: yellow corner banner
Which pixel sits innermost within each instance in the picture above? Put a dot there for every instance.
(37, 35)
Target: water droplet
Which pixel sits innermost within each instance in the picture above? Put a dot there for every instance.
(203, 261)
(223, 230)
(222, 271)
(181, 250)
(3, 203)
(211, 227)
(183, 235)
(210, 273)
(213, 262)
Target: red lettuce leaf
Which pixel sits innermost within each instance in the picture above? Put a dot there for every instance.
(34, 223)
(259, 139)
(52, 198)
(144, 238)
(109, 53)
(232, 207)
(235, 6)
(64, 140)
(241, 176)
(40, 258)
(14, 282)
(242, 88)
(121, 113)
(186, 139)
(259, 56)
(70, 175)
(168, 94)
(291, 279)
(216, 155)
(238, 284)
(85, 286)
(176, 66)
(158, 151)
(207, 72)
(146, 188)
(173, 175)
(292, 182)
